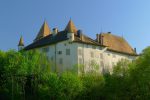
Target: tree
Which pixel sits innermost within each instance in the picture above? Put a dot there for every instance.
(20, 67)
(140, 76)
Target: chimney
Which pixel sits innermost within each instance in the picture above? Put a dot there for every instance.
(135, 50)
(101, 39)
(55, 31)
(97, 37)
(109, 32)
(80, 34)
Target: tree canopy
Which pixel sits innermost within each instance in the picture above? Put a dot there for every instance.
(27, 75)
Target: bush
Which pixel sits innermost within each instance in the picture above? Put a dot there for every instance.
(26, 75)
(92, 84)
(71, 86)
(49, 88)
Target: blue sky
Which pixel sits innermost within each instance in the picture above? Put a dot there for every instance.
(127, 18)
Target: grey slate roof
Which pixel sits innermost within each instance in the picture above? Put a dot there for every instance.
(61, 36)
(50, 39)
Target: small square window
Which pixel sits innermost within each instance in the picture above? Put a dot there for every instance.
(86, 45)
(94, 47)
(60, 52)
(114, 55)
(67, 51)
(100, 48)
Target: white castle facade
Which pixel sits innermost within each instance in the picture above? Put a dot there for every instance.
(71, 48)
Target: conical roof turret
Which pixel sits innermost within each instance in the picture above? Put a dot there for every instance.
(21, 42)
(70, 28)
(44, 31)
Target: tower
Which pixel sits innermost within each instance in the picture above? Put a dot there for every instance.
(71, 30)
(44, 31)
(21, 44)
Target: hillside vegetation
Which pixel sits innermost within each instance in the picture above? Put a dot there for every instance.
(27, 75)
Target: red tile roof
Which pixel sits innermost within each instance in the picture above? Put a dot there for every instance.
(116, 43)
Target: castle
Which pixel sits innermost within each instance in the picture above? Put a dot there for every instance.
(71, 47)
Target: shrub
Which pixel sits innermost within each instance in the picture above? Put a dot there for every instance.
(71, 86)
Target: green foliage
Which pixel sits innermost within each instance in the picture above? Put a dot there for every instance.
(49, 88)
(140, 76)
(92, 84)
(15, 67)
(27, 75)
(93, 66)
(71, 85)
(121, 68)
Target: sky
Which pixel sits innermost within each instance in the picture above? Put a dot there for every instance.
(127, 18)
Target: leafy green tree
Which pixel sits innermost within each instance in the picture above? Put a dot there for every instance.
(92, 85)
(121, 69)
(71, 86)
(49, 88)
(140, 76)
(17, 67)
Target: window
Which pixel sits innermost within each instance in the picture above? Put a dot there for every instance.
(79, 52)
(60, 61)
(80, 61)
(45, 49)
(86, 45)
(67, 51)
(60, 52)
(100, 48)
(92, 54)
(94, 47)
(101, 55)
(114, 55)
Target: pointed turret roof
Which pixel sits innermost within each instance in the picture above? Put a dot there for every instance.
(71, 27)
(44, 31)
(21, 42)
